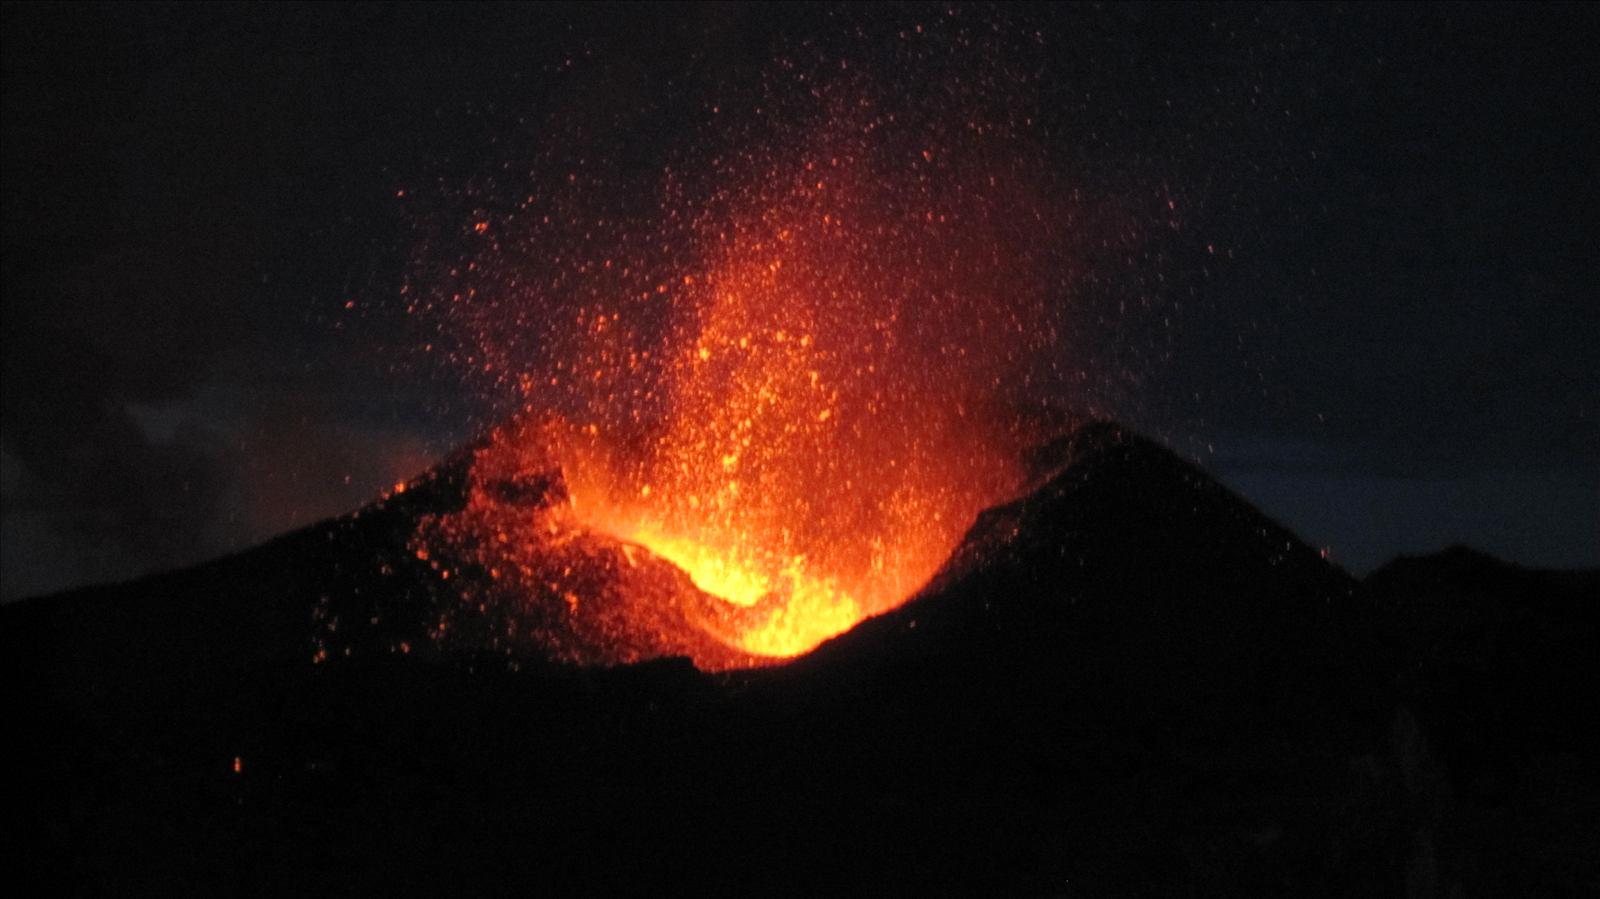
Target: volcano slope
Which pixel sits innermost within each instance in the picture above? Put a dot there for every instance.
(1126, 680)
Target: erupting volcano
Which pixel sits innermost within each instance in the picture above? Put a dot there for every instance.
(727, 449)
(798, 384)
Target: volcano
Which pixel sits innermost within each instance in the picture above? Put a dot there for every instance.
(1125, 678)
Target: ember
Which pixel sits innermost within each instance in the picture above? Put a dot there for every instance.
(798, 387)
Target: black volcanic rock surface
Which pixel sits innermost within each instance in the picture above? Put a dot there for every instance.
(1128, 680)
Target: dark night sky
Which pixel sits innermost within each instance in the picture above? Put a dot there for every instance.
(1393, 353)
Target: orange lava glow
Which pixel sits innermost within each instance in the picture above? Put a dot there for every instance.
(799, 386)
(817, 455)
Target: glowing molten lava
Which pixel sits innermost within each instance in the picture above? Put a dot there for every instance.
(799, 389)
(817, 459)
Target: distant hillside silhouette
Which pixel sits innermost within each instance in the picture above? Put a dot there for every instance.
(1127, 680)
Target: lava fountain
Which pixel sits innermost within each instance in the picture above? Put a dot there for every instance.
(798, 385)
(819, 450)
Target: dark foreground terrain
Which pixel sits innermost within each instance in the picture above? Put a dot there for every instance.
(1128, 682)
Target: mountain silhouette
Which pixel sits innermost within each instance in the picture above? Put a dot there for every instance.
(1125, 680)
